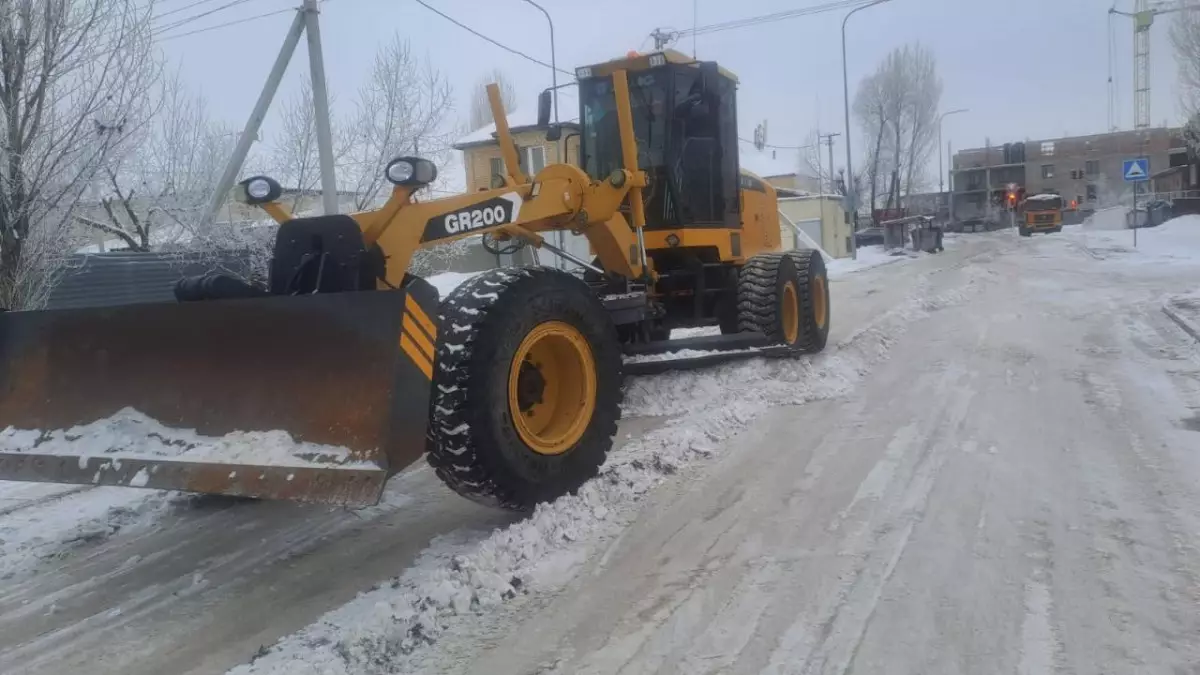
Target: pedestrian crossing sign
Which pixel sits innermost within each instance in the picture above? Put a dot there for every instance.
(1136, 170)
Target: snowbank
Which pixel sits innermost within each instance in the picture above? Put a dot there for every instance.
(868, 257)
(1175, 242)
(1114, 218)
(129, 434)
(388, 628)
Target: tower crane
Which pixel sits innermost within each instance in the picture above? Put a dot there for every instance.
(1143, 15)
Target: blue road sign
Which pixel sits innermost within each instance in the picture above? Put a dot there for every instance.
(1136, 170)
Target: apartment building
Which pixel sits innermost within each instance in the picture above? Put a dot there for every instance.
(1083, 169)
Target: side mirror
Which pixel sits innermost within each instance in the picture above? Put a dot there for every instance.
(554, 132)
(544, 108)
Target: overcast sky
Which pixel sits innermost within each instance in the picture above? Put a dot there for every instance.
(1024, 68)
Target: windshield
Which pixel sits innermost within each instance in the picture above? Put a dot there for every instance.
(601, 151)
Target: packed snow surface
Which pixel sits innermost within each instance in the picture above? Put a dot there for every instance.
(868, 257)
(131, 434)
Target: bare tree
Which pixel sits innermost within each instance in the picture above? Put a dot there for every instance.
(481, 110)
(74, 79)
(152, 192)
(294, 157)
(871, 108)
(1185, 40)
(923, 94)
(896, 107)
(403, 109)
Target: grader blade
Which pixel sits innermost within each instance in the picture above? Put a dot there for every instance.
(346, 375)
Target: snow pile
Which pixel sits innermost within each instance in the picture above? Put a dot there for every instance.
(1175, 242)
(129, 434)
(868, 257)
(384, 630)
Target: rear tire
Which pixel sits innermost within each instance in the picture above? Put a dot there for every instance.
(797, 318)
(533, 342)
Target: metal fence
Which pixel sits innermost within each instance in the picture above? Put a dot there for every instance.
(108, 279)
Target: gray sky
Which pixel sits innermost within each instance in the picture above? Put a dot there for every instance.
(1024, 68)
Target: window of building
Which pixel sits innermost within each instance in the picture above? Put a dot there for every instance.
(1092, 167)
(495, 168)
(1091, 193)
(1048, 148)
(1047, 171)
(532, 158)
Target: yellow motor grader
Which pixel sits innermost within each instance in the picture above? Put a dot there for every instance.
(512, 385)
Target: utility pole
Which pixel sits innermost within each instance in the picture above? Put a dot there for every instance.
(827, 139)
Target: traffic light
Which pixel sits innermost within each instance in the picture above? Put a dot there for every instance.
(1012, 199)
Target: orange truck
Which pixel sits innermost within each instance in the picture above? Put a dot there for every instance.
(1040, 213)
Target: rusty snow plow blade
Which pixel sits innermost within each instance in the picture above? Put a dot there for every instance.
(195, 396)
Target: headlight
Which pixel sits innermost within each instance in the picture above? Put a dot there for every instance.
(260, 189)
(399, 172)
(410, 171)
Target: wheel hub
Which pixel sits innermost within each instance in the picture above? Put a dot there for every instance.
(531, 386)
(552, 387)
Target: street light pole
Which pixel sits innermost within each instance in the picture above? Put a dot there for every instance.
(851, 197)
(941, 170)
(553, 63)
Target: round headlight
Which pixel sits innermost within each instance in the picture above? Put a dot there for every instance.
(411, 171)
(258, 188)
(400, 171)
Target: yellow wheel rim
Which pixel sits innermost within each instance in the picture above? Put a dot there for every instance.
(820, 306)
(789, 315)
(552, 387)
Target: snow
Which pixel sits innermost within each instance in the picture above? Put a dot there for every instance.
(446, 282)
(868, 257)
(685, 353)
(1175, 242)
(130, 434)
(390, 628)
(768, 163)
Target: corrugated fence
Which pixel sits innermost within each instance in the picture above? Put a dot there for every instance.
(106, 279)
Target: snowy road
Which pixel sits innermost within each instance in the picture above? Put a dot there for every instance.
(997, 476)
(1016, 489)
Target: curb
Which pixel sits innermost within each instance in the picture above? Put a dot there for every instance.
(1175, 315)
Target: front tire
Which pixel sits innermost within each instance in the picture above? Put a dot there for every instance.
(785, 296)
(527, 388)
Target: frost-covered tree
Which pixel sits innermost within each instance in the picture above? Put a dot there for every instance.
(75, 79)
(481, 109)
(404, 108)
(152, 192)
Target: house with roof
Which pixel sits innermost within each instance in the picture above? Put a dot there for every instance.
(481, 149)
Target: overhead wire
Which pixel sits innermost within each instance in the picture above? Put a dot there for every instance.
(476, 33)
(833, 6)
(285, 10)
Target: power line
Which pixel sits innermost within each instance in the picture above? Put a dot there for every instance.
(780, 147)
(186, 20)
(286, 10)
(484, 37)
(663, 37)
(177, 10)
